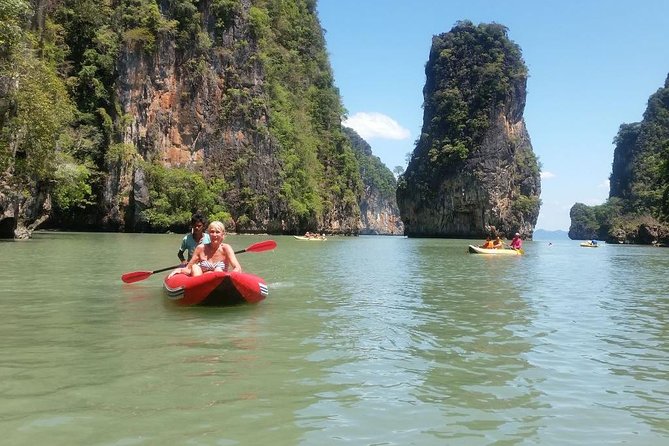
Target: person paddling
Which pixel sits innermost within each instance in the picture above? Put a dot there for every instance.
(193, 238)
(517, 242)
(487, 244)
(215, 256)
(498, 243)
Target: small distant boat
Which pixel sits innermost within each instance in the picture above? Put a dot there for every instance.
(589, 245)
(495, 252)
(310, 239)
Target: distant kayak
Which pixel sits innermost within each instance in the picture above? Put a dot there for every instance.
(310, 239)
(495, 252)
(215, 288)
(589, 245)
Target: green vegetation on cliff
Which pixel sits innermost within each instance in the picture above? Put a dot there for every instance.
(372, 170)
(473, 170)
(176, 191)
(35, 111)
(318, 165)
(63, 126)
(472, 70)
(637, 210)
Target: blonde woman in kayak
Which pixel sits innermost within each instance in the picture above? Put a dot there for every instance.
(216, 256)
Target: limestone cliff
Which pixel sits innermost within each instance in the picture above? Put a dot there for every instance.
(637, 210)
(473, 171)
(228, 107)
(378, 206)
(183, 111)
(216, 110)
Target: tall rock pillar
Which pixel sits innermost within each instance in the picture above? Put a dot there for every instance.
(473, 171)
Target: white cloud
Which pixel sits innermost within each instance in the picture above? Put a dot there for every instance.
(547, 175)
(376, 125)
(604, 185)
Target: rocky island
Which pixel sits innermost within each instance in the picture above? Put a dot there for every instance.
(473, 171)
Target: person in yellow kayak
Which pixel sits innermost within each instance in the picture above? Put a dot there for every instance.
(487, 244)
(517, 242)
(498, 243)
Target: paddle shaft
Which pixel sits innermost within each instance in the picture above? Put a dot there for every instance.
(177, 266)
(136, 276)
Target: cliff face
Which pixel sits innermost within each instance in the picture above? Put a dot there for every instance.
(378, 205)
(228, 107)
(473, 171)
(379, 215)
(638, 175)
(214, 110)
(183, 111)
(637, 210)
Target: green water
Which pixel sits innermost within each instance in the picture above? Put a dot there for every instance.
(367, 340)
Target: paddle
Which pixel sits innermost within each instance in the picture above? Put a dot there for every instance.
(520, 250)
(136, 276)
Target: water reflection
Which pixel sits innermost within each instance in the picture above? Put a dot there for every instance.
(420, 337)
(471, 314)
(637, 344)
(580, 298)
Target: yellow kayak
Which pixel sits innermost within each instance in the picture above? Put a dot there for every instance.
(589, 245)
(496, 252)
(310, 239)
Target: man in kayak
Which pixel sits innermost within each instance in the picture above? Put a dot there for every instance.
(193, 238)
(517, 242)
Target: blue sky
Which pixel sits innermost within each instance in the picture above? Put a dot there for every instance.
(592, 66)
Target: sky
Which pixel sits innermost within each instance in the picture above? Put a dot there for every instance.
(592, 67)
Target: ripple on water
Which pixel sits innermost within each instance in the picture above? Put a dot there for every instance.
(367, 340)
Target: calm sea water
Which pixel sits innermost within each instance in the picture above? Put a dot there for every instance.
(363, 341)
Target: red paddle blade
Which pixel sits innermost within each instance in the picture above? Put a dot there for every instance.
(135, 276)
(261, 246)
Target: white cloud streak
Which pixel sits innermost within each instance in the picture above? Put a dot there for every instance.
(376, 125)
(547, 175)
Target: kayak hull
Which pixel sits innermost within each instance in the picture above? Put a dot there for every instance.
(495, 252)
(215, 289)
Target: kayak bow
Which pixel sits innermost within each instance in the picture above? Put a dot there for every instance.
(215, 288)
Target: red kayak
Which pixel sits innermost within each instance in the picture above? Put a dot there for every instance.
(216, 288)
